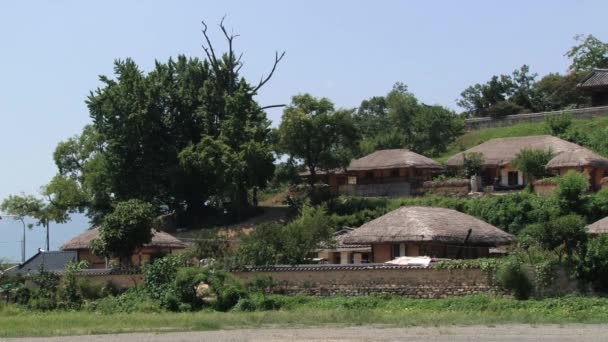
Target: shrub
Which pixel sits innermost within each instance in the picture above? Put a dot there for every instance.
(570, 190)
(511, 276)
(594, 267)
(186, 280)
(229, 296)
(558, 125)
(159, 276)
(245, 304)
(564, 235)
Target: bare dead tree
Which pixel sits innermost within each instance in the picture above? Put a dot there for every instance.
(235, 64)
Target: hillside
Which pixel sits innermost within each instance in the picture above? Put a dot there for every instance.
(475, 137)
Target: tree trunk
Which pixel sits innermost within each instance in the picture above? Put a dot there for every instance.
(47, 236)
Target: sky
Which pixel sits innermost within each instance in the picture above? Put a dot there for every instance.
(52, 53)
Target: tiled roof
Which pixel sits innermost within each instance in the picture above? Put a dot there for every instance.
(52, 261)
(598, 78)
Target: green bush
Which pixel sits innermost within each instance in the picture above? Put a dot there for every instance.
(570, 191)
(159, 276)
(594, 266)
(511, 276)
(229, 296)
(186, 280)
(565, 235)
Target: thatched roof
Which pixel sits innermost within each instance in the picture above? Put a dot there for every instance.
(392, 159)
(576, 158)
(501, 151)
(159, 239)
(415, 224)
(598, 78)
(598, 227)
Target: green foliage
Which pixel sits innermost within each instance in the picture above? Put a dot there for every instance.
(128, 227)
(589, 54)
(559, 124)
(533, 162)
(570, 191)
(155, 137)
(159, 276)
(186, 280)
(72, 285)
(292, 243)
(557, 92)
(565, 234)
(511, 276)
(598, 205)
(399, 120)
(594, 266)
(313, 131)
(472, 163)
(212, 244)
(503, 108)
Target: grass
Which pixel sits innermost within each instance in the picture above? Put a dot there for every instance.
(476, 137)
(308, 311)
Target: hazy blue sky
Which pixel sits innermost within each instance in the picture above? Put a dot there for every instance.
(53, 52)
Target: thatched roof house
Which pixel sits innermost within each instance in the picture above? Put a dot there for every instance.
(498, 154)
(159, 240)
(393, 159)
(501, 151)
(438, 232)
(342, 253)
(578, 158)
(598, 227)
(161, 243)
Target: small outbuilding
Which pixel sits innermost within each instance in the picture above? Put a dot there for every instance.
(426, 231)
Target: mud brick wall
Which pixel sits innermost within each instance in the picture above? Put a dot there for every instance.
(406, 281)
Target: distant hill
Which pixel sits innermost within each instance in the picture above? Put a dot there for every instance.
(475, 137)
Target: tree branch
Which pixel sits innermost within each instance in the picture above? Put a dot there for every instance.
(209, 48)
(274, 106)
(263, 80)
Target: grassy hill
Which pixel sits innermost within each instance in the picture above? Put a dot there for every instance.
(472, 138)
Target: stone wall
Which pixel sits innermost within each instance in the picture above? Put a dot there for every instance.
(353, 280)
(120, 280)
(485, 122)
(452, 187)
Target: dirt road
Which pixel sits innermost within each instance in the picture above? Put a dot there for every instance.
(368, 333)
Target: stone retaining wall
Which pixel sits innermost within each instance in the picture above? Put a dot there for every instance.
(457, 188)
(485, 122)
(355, 280)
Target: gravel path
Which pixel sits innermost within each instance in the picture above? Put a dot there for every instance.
(369, 333)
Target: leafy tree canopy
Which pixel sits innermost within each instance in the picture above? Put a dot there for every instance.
(533, 162)
(186, 134)
(313, 131)
(588, 54)
(126, 228)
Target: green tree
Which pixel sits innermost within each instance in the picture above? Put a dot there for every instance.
(271, 243)
(559, 124)
(533, 163)
(472, 163)
(126, 228)
(313, 131)
(54, 208)
(565, 235)
(557, 92)
(588, 54)
(150, 132)
(594, 266)
(570, 191)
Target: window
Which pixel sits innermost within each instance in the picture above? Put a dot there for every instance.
(369, 174)
(513, 178)
(395, 173)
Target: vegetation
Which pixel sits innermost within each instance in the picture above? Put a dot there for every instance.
(400, 120)
(532, 163)
(520, 92)
(309, 311)
(123, 230)
(313, 131)
(293, 243)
